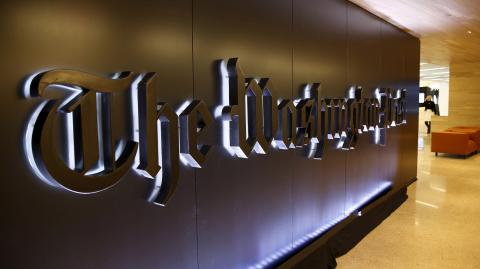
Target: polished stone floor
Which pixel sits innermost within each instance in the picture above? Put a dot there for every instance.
(437, 227)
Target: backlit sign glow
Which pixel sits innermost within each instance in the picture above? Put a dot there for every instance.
(253, 120)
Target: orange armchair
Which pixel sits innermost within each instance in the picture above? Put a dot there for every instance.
(453, 143)
(474, 133)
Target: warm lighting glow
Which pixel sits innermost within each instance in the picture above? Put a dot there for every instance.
(426, 204)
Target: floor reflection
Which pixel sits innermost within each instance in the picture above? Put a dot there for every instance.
(437, 227)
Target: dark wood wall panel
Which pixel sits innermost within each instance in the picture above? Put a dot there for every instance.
(45, 227)
(233, 212)
(409, 140)
(392, 76)
(319, 55)
(244, 205)
(364, 170)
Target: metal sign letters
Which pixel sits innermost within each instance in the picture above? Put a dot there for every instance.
(253, 120)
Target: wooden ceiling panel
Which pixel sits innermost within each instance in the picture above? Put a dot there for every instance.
(449, 30)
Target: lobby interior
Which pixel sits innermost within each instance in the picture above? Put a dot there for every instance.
(213, 134)
(437, 226)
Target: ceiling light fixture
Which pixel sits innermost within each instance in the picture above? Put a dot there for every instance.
(430, 69)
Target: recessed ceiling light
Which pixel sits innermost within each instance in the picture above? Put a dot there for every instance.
(469, 32)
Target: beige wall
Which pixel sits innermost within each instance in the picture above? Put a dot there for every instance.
(464, 104)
